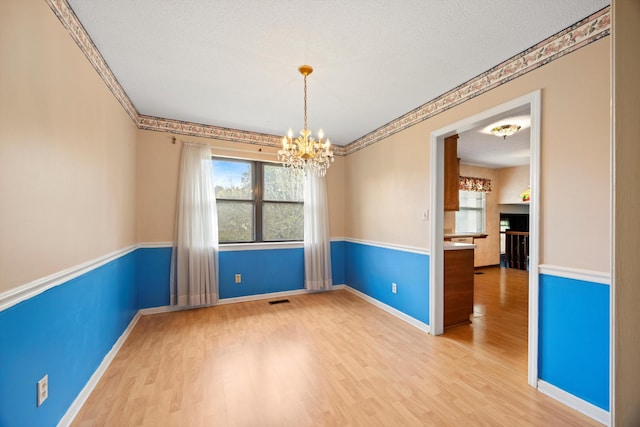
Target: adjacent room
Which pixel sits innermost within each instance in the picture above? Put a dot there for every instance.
(318, 213)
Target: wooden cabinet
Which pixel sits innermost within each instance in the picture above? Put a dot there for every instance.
(451, 174)
(458, 286)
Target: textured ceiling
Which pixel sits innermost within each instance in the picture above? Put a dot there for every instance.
(478, 146)
(234, 63)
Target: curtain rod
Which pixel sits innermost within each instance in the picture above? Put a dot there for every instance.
(236, 150)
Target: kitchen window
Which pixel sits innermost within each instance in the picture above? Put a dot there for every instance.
(257, 202)
(471, 216)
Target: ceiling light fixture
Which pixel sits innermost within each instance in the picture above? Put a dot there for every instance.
(305, 152)
(505, 130)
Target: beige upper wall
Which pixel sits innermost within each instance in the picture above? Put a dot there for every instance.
(67, 152)
(511, 183)
(387, 190)
(388, 182)
(157, 183)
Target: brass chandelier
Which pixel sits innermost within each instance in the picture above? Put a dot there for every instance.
(305, 152)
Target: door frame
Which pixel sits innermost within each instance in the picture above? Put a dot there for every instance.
(436, 259)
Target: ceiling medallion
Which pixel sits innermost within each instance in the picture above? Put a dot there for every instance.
(505, 130)
(305, 152)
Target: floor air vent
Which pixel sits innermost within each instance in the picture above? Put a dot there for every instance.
(279, 301)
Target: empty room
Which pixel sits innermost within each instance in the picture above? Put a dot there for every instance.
(270, 213)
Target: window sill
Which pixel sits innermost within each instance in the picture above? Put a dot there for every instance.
(474, 235)
(230, 247)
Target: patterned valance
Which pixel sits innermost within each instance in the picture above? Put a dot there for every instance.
(468, 183)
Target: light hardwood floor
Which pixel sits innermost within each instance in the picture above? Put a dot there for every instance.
(327, 359)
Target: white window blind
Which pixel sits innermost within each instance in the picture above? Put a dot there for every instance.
(471, 216)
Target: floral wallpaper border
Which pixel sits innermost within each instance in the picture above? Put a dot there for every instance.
(578, 35)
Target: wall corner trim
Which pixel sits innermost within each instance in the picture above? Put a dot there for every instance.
(575, 274)
(397, 313)
(31, 289)
(574, 402)
(82, 397)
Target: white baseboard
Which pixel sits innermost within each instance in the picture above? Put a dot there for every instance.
(574, 402)
(262, 296)
(256, 297)
(166, 309)
(82, 397)
(397, 313)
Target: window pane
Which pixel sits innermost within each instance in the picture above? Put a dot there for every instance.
(280, 184)
(235, 221)
(470, 217)
(282, 221)
(233, 179)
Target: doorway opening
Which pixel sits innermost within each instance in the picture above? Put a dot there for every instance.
(526, 105)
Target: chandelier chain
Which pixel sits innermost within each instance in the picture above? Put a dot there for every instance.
(305, 102)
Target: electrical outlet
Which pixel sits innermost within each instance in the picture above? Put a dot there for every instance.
(238, 278)
(43, 389)
(394, 288)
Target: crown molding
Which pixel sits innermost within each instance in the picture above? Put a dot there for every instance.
(208, 131)
(70, 21)
(581, 34)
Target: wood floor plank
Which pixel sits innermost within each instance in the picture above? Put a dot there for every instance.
(327, 359)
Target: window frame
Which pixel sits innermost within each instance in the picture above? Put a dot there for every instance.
(258, 202)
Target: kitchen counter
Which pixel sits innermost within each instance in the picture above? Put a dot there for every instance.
(457, 246)
(464, 236)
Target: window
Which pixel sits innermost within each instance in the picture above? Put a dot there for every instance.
(257, 202)
(470, 217)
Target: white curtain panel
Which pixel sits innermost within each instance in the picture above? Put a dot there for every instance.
(317, 243)
(194, 258)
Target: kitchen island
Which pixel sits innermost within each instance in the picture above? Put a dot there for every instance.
(458, 283)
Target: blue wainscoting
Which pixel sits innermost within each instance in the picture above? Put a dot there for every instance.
(372, 269)
(64, 332)
(338, 266)
(574, 337)
(67, 331)
(154, 267)
(263, 271)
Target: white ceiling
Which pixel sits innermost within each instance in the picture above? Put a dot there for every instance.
(234, 63)
(478, 146)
